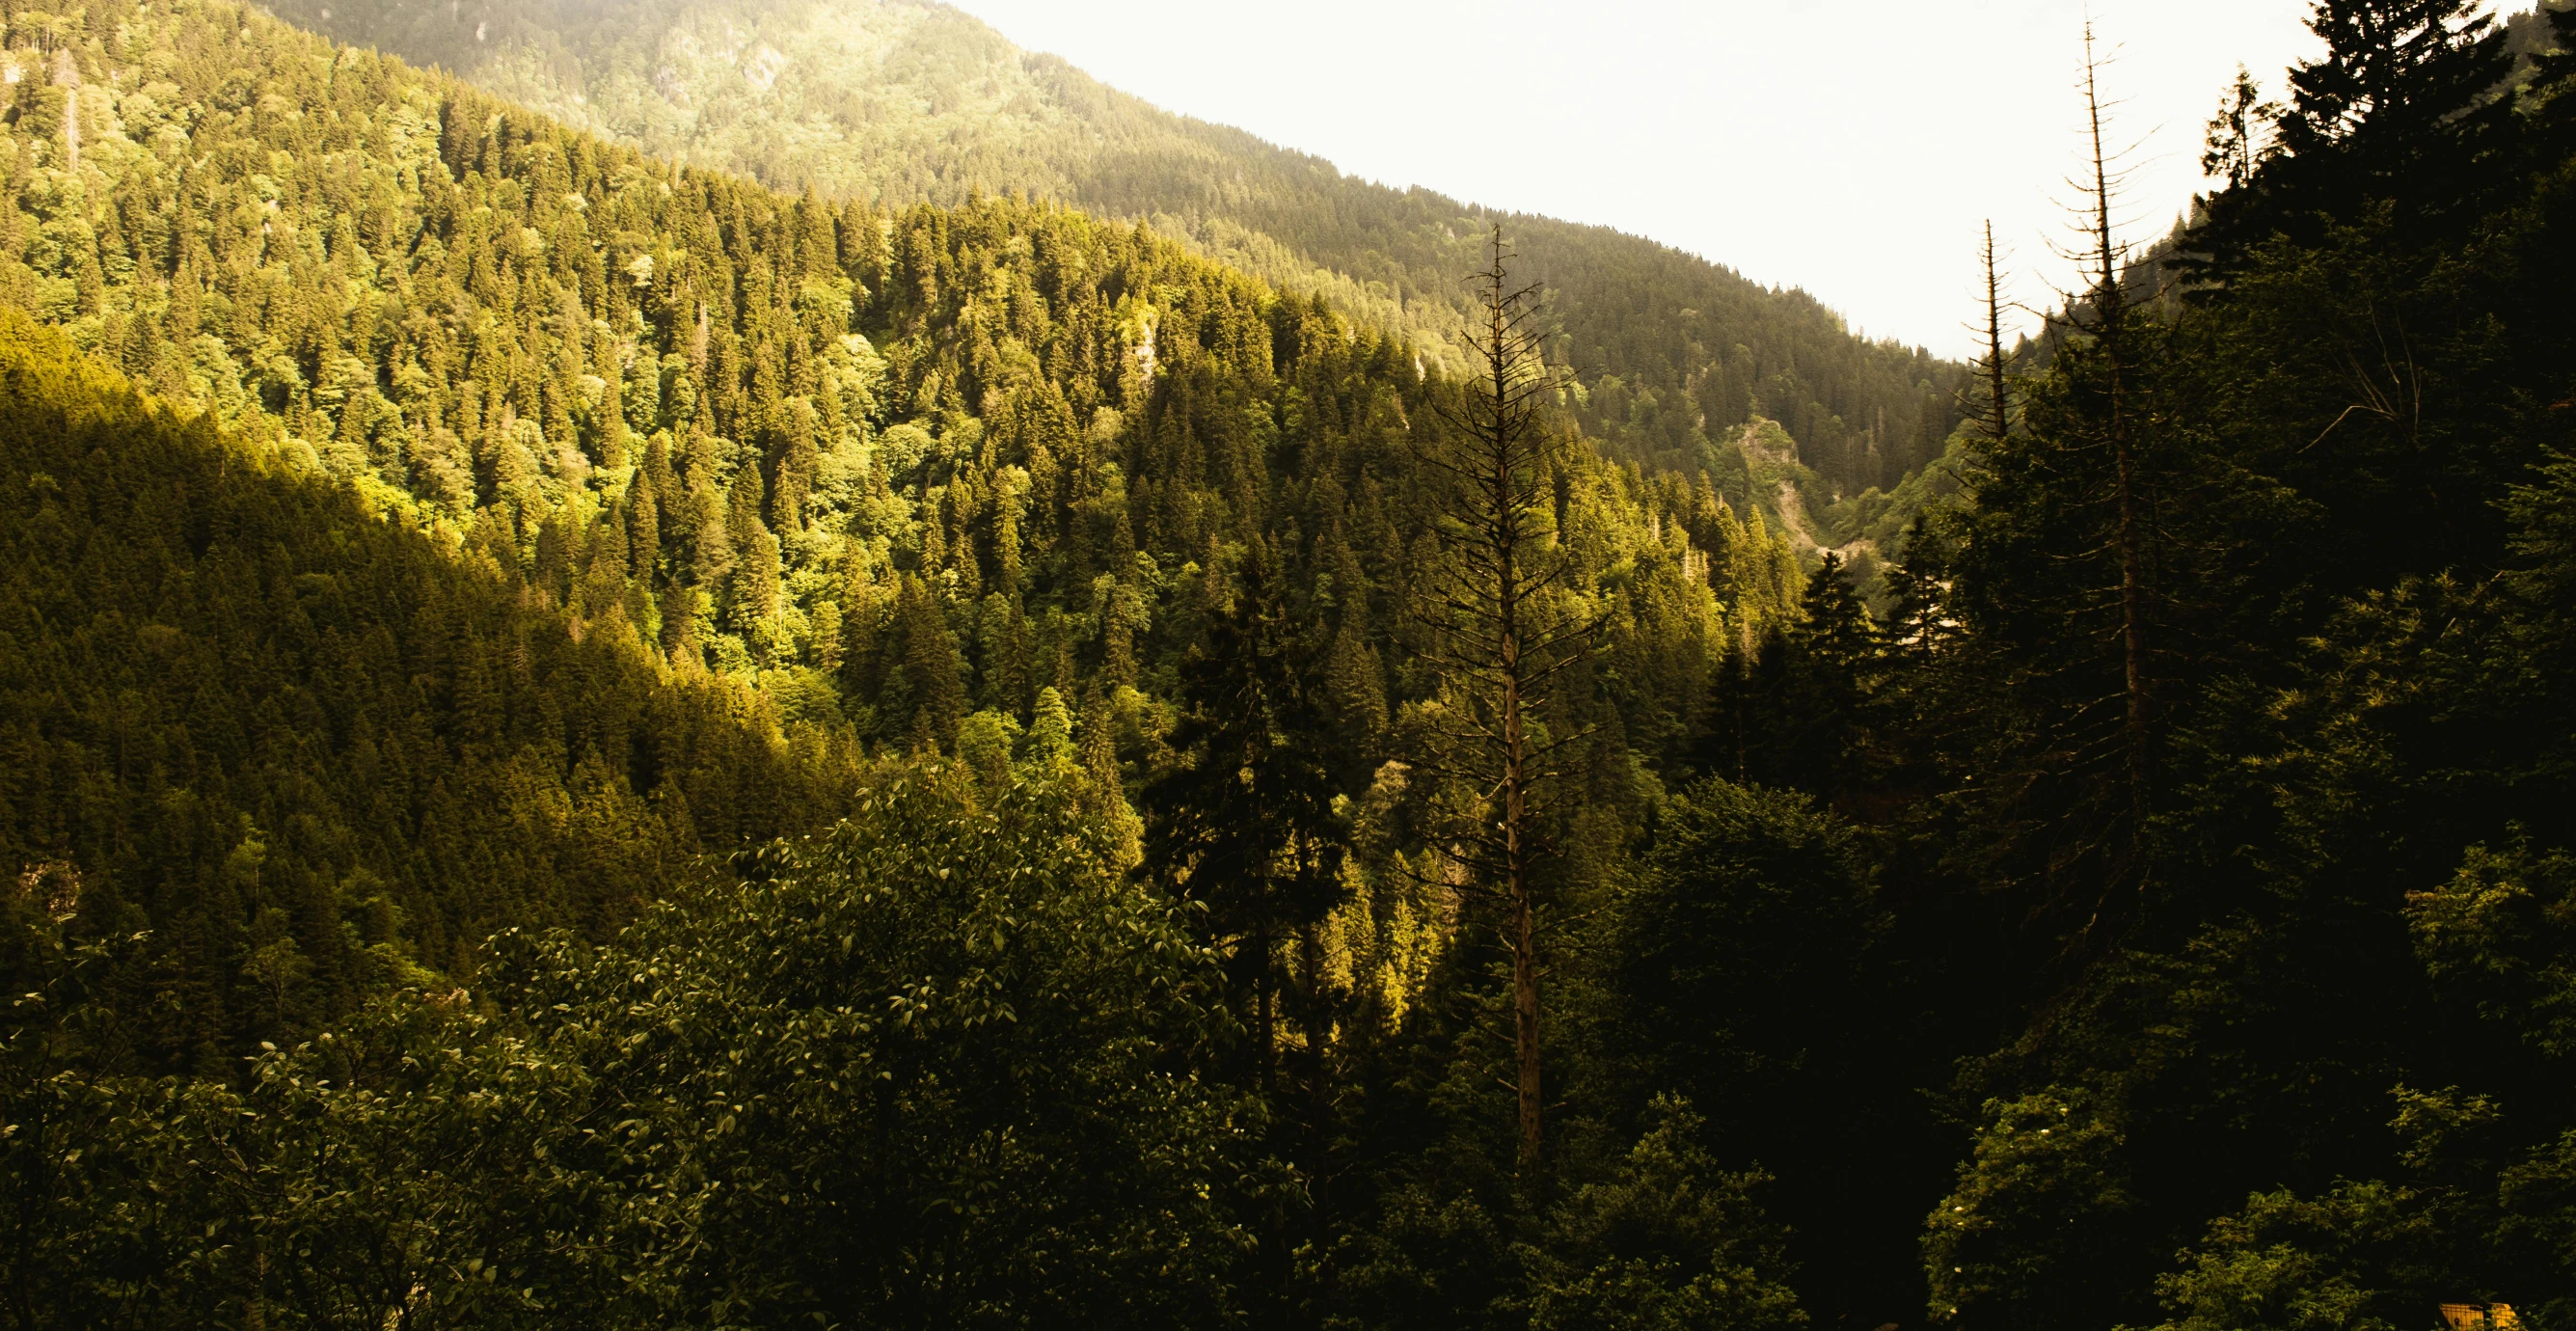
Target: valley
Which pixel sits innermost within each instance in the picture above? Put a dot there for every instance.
(767, 664)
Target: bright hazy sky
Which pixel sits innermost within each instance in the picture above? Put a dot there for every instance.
(1852, 148)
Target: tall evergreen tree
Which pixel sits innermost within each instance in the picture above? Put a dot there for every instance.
(2400, 111)
(1505, 635)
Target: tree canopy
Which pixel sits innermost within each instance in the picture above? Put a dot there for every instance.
(593, 742)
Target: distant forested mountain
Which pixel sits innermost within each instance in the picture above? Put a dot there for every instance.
(587, 742)
(900, 101)
(442, 538)
(923, 480)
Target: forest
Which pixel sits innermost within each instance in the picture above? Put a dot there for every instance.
(595, 742)
(903, 103)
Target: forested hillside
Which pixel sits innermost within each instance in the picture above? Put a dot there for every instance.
(898, 468)
(595, 744)
(898, 102)
(2248, 661)
(314, 754)
(608, 514)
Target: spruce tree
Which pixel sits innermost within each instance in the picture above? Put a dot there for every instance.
(2400, 111)
(1246, 824)
(1503, 636)
(930, 668)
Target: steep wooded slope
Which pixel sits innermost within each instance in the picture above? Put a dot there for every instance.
(899, 102)
(311, 752)
(931, 479)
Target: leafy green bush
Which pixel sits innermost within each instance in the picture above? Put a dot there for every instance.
(933, 1069)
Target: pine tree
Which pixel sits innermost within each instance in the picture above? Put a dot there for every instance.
(2400, 110)
(1796, 716)
(1246, 825)
(1356, 683)
(2057, 565)
(1997, 416)
(1503, 635)
(754, 592)
(2553, 78)
(930, 667)
(1051, 743)
(1104, 790)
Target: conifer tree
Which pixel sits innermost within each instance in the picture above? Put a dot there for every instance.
(1504, 635)
(2056, 567)
(1246, 825)
(1997, 417)
(1794, 715)
(930, 668)
(2111, 334)
(2400, 109)
(2553, 75)
(1357, 684)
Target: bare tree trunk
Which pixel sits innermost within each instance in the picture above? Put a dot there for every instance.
(1998, 407)
(67, 77)
(1516, 851)
(1501, 638)
(2111, 318)
(1505, 537)
(1525, 1020)
(1319, 1099)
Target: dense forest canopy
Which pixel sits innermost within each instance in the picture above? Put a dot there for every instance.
(911, 481)
(315, 754)
(899, 102)
(593, 742)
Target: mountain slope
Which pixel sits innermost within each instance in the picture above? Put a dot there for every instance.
(2164, 925)
(992, 484)
(311, 751)
(899, 101)
(931, 480)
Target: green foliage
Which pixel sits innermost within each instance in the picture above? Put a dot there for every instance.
(1795, 710)
(2019, 1241)
(2397, 111)
(901, 104)
(887, 475)
(1745, 968)
(309, 750)
(516, 519)
(527, 519)
(2199, 852)
(2498, 934)
(1738, 946)
(1246, 830)
(741, 416)
(2285, 1264)
(1662, 1238)
(1668, 1241)
(735, 1114)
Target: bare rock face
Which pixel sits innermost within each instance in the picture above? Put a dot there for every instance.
(762, 68)
(672, 87)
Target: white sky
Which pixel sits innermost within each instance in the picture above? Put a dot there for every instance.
(1852, 148)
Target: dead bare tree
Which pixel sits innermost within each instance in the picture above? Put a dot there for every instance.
(1998, 420)
(2110, 328)
(1502, 629)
